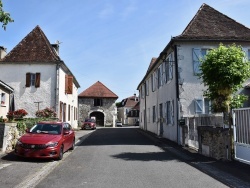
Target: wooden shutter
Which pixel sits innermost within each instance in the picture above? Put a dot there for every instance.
(37, 82)
(68, 84)
(27, 80)
(198, 106)
(196, 60)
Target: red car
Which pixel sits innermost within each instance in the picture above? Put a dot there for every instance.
(89, 124)
(46, 140)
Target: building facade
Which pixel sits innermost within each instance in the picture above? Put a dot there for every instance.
(171, 89)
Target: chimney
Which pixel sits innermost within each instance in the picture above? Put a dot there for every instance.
(3, 52)
(135, 97)
(56, 48)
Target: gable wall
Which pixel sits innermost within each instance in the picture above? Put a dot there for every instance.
(15, 76)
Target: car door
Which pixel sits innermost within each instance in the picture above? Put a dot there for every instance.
(67, 139)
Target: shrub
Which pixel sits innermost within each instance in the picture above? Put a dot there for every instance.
(46, 113)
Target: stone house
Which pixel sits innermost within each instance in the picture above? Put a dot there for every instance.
(98, 102)
(171, 91)
(128, 110)
(40, 79)
(6, 98)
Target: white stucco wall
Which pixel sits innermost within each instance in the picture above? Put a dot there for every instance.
(25, 97)
(4, 108)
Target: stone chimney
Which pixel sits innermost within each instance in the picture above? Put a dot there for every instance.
(3, 52)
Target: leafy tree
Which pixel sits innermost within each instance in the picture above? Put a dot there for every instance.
(223, 71)
(4, 16)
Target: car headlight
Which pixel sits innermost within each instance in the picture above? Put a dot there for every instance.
(52, 144)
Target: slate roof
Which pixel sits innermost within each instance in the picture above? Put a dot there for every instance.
(97, 90)
(35, 47)
(210, 24)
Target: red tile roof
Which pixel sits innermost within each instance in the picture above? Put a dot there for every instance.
(210, 24)
(35, 47)
(97, 90)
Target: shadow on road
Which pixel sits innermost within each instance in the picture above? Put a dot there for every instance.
(150, 156)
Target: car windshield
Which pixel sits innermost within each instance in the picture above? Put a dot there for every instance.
(89, 120)
(46, 129)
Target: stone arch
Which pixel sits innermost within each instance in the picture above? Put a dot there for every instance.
(99, 117)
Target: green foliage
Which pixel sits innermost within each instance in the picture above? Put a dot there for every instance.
(4, 16)
(223, 71)
(237, 101)
(21, 126)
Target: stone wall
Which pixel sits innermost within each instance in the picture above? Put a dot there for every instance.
(108, 109)
(8, 136)
(214, 142)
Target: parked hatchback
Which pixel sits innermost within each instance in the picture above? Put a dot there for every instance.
(118, 124)
(89, 124)
(46, 140)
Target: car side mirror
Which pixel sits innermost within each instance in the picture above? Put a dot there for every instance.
(65, 132)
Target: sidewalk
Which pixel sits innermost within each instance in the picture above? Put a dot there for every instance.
(232, 173)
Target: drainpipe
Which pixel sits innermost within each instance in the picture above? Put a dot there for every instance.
(145, 114)
(177, 92)
(57, 92)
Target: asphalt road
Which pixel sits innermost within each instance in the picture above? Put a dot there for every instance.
(125, 157)
(122, 157)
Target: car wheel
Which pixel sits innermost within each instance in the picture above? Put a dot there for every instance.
(60, 153)
(73, 145)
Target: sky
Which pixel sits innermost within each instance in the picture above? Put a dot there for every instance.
(111, 41)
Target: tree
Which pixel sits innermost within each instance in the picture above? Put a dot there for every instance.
(223, 71)
(4, 16)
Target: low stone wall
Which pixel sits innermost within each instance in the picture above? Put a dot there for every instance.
(8, 136)
(214, 142)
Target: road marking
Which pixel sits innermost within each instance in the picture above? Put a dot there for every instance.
(4, 165)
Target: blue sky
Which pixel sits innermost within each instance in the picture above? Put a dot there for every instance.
(111, 41)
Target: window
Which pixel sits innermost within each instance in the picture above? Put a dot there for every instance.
(169, 110)
(156, 78)
(68, 84)
(98, 102)
(159, 72)
(169, 68)
(147, 87)
(33, 79)
(202, 106)
(198, 106)
(143, 91)
(198, 55)
(2, 98)
(154, 114)
(68, 112)
(152, 82)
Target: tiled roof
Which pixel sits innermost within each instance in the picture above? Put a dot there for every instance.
(35, 47)
(130, 101)
(210, 24)
(97, 90)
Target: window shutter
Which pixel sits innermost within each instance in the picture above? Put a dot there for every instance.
(37, 83)
(198, 106)
(66, 84)
(27, 80)
(172, 112)
(70, 84)
(170, 67)
(196, 60)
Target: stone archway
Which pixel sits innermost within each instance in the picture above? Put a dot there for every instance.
(99, 116)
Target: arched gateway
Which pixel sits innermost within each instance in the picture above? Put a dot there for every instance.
(99, 117)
